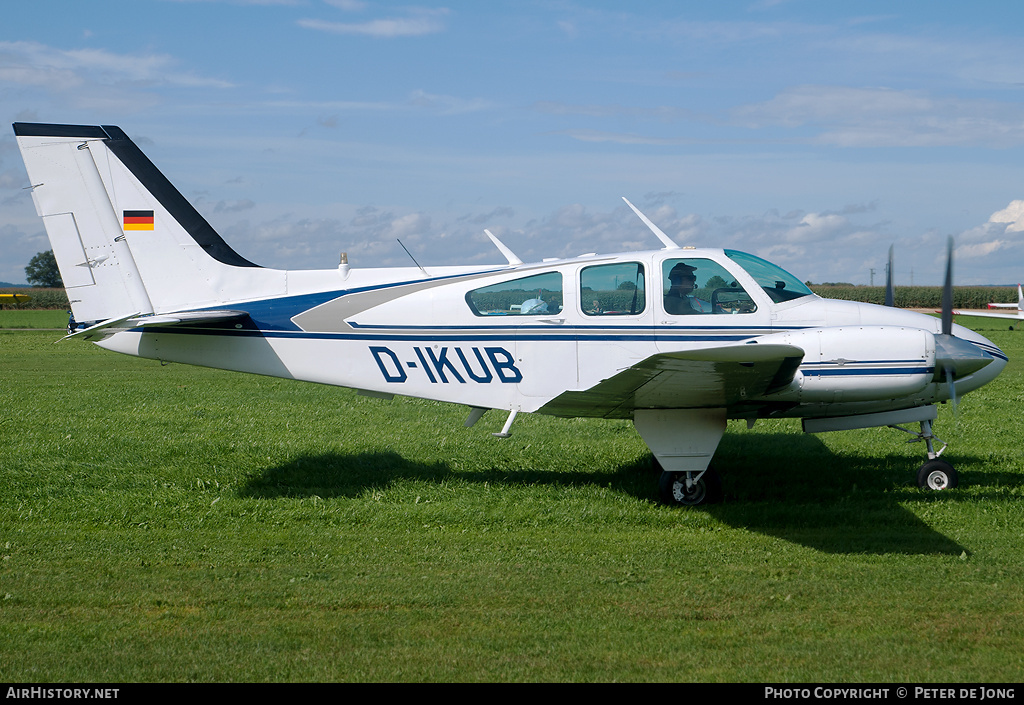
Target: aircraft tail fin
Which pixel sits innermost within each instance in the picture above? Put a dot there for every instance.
(125, 239)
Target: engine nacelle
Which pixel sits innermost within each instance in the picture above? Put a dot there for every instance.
(858, 363)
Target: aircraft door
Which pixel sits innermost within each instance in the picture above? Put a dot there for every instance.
(539, 354)
(545, 341)
(615, 319)
(701, 303)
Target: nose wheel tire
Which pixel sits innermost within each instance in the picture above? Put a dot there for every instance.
(675, 491)
(937, 475)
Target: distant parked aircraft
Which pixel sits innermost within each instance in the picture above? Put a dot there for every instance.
(1017, 315)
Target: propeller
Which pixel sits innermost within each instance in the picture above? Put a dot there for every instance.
(890, 296)
(954, 357)
(947, 291)
(948, 368)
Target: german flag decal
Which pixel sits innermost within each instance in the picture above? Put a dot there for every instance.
(138, 220)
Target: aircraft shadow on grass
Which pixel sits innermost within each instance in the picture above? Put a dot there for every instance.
(806, 495)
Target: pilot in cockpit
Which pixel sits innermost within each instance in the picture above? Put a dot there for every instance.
(679, 299)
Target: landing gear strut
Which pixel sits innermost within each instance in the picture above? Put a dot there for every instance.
(935, 474)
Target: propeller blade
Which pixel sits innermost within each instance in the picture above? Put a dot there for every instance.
(890, 295)
(947, 291)
(951, 384)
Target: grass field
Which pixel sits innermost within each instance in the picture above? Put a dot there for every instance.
(168, 523)
(32, 318)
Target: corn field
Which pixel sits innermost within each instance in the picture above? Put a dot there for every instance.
(906, 296)
(921, 296)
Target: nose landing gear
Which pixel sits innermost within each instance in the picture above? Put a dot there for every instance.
(935, 474)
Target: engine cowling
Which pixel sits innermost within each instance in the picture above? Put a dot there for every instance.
(859, 363)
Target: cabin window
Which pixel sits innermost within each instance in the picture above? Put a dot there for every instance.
(701, 286)
(539, 295)
(613, 289)
(779, 284)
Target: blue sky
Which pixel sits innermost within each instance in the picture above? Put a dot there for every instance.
(815, 134)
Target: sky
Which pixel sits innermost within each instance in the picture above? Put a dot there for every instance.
(814, 134)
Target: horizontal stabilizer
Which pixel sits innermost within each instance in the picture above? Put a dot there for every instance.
(108, 328)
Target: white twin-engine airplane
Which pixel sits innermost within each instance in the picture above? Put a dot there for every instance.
(678, 339)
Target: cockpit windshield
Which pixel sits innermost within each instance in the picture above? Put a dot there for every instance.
(779, 284)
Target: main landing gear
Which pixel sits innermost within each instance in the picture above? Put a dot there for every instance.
(683, 442)
(683, 458)
(689, 489)
(935, 474)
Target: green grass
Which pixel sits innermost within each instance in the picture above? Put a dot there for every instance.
(31, 318)
(168, 523)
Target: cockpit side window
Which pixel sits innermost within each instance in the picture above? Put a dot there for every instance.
(779, 284)
(613, 289)
(539, 295)
(694, 286)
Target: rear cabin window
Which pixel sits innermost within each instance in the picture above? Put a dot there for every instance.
(613, 289)
(539, 295)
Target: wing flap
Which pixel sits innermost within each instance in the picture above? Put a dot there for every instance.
(717, 377)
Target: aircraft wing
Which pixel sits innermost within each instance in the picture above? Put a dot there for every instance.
(108, 328)
(1017, 316)
(717, 377)
(16, 298)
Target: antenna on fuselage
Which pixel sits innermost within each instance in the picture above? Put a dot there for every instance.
(509, 254)
(665, 239)
(413, 258)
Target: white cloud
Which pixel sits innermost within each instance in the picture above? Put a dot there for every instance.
(881, 117)
(1012, 215)
(586, 135)
(95, 78)
(32, 63)
(981, 249)
(446, 104)
(418, 23)
(347, 5)
(247, 2)
(663, 113)
(815, 227)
